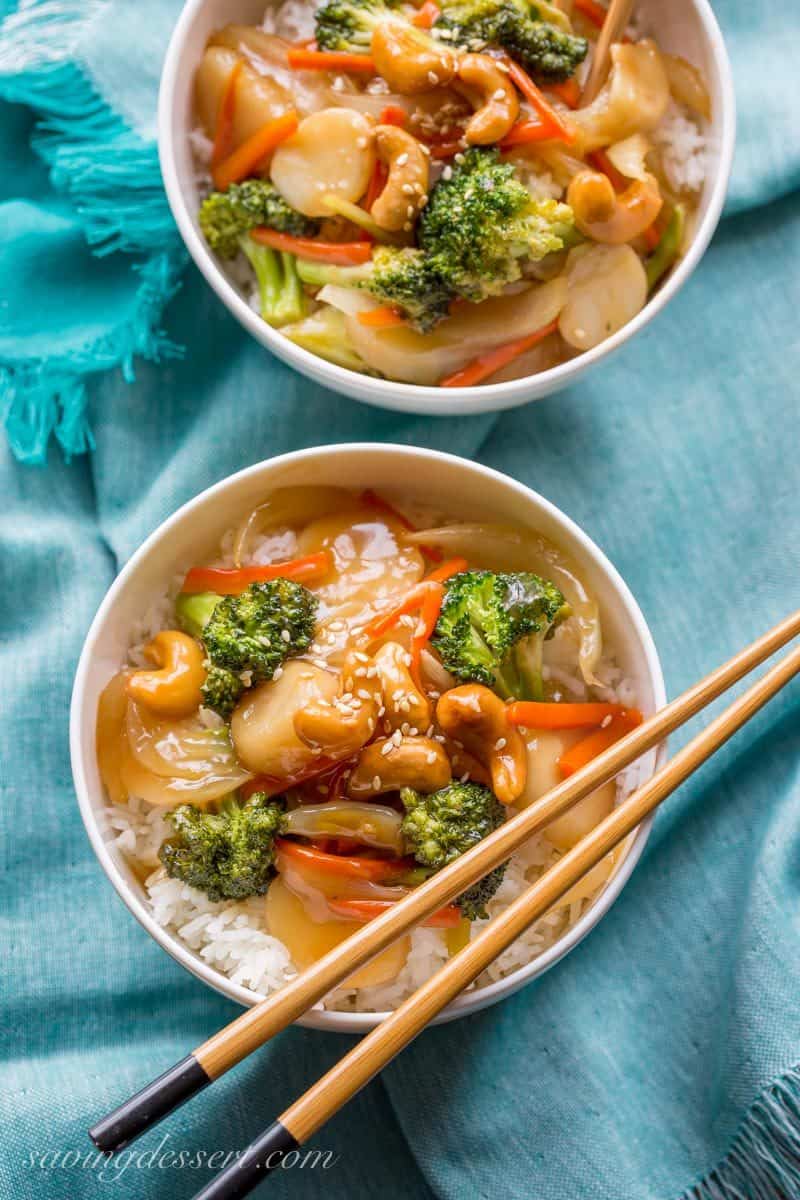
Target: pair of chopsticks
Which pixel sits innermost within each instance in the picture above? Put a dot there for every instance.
(256, 1026)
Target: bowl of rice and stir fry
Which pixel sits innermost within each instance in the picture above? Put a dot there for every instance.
(317, 685)
(420, 204)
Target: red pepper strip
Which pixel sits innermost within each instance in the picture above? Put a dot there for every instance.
(484, 366)
(393, 114)
(366, 910)
(353, 867)
(425, 598)
(652, 236)
(453, 566)
(568, 91)
(373, 500)
(231, 581)
(223, 136)
(536, 99)
(338, 253)
(377, 183)
(427, 15)
(300, 59)
(246, 158)
(589, 747)
(446, 149)
(539, 715)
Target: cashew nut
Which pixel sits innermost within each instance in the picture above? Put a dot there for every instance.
(174, 689)
(339, 727)
(409, 63)
(403, 702)
(417, 762)
(497, 104)
(476, 717)
(406, 187)
(606, 216)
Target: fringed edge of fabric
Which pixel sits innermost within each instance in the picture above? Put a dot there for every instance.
(764, 1160)
(112, 178)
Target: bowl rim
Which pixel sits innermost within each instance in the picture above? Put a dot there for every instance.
(352, 1022)
(415, 398)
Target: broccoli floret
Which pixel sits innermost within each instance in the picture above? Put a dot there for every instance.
(227, 854)
(549, 53)
(404, 278)
(256, 631)
(226, 219)
(221, 690)
(439, 827)
(193, 611)
(480, 225)
(348, 25)
(492, 626)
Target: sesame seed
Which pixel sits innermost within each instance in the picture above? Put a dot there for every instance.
(363, 658)
(499, 94)
(285, 635)
(500, 744)
(464, 777)
(376, 783)
(397, 737)
(401, 160)
(319, 662)
(278, 673)
(407, 189)
(447, 173)
(360, 672)
(361, 142)
(387, 747)
(606, 721)
(413, 731)
(410, 210)
(433, 78)
(364, 694)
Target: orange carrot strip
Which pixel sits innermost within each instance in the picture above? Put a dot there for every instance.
(393, 114)
(365, 910)
(229, 581)
(245, 158)
(593, 11)
(453, 566)
(589, 747)
(300, 59)
(425, 598)
(536, 98)
(380, 318)
(427, 15)
(568, 91)
(539, 715)
(354, 867)
(338, 253)
(528, 131)
(223, 136)
(486, 364)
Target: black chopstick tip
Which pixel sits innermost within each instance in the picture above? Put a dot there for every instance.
(150, 1105)
(262, 1156)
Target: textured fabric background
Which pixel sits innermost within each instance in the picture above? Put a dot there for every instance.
(625, 1072)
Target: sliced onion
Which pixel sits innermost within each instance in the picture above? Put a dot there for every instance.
(629, 156)
(347, 300)
(184, 749)
(372, 824)
(501, 548)
(310, 884)
(169, 793)
(434, 671)
(292, 507)
(687, 85)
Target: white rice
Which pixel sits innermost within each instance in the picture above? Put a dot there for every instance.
(683, 148)
(231, 936)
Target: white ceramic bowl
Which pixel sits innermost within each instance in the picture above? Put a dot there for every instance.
(687, 27)
(447, 483)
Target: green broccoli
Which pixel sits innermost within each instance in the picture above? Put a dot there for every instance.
(437, 828)
(492, 626)
(226, 220)
(221, 690)
(481, 224)
(226, 854)
(404, 278)
(348, 25)
(255, 632)
(550, 53)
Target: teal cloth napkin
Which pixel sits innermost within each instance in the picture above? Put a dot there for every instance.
(660, 1059)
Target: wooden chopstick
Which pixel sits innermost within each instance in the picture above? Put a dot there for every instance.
(325, 1097)
(260, 1023)
(617, 18)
